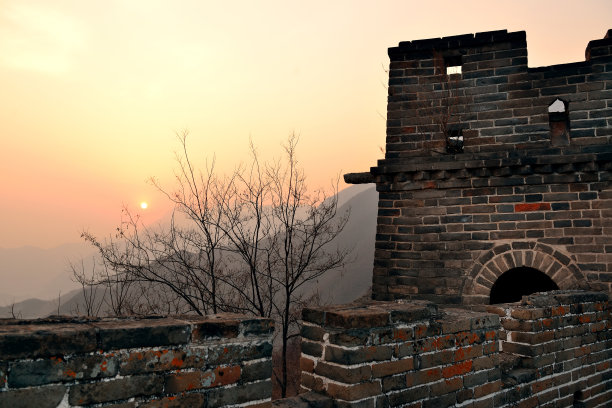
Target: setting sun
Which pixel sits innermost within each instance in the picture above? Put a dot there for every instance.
(144, 205)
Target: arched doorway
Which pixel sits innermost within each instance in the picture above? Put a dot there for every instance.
(512, 285)
(560, 267)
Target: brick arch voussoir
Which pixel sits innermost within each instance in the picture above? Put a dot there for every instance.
(557, 265)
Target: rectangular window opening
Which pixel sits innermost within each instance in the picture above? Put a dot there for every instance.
(454, 141)
(558, 118)
(453, 64)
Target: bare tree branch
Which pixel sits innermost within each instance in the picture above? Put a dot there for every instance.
(246, 243)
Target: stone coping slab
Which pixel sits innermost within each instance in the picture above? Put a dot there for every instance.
(60, 335)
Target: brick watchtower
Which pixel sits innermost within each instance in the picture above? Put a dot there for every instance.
(496, 180)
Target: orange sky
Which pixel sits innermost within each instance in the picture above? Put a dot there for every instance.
(92, 92)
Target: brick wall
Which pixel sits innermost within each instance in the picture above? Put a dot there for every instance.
(498, 101)
(184, 361)
(451, 221)
(550, 350)
(563, 345)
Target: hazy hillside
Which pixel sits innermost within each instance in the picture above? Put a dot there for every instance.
(30, 272)
(33, 272)
(353, 281)
(33, 308)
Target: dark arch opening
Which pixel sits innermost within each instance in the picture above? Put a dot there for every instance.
(578, 399)
(512, 285)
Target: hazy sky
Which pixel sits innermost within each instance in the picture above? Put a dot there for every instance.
(93, 92)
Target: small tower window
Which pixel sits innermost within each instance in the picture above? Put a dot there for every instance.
(454, 141)
(453, 69)
(558, 117)
(453, 65)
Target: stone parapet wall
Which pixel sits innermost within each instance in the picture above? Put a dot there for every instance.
(184, 361)
(550, 350)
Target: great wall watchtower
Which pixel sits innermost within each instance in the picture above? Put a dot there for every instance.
(496, 177)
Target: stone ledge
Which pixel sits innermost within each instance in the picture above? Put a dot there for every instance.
(367, 315)
(128, 333)
(524, 163)
(359, 178)
(455, 320)
(526, 157)
(563, 297)
(45, 340)
(61, 335)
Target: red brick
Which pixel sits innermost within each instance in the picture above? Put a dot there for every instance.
(186, 381)
(349, 375)
(402, 334)
(424, 376)
(312, 382)
(528, 403)
(559, 311)
(531, 207)
(490, 348)
(457, 369)
(157, 360)
(533, 338)
(446, 386)
(392, 367)
(484, 363)
(467, 338)
(541, 385)
(464, 395)
(470, 352)
(436, 358)
(487, 389)
(354, 392)
(307, 364)
(435, 343)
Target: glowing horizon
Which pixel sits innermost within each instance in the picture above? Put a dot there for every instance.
(94, 92)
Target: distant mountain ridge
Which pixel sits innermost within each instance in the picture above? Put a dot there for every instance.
(354, 280)
(30, 272)
(46, 271)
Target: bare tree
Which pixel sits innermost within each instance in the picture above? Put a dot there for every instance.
(14, 315)
(198, 247)
(303, 225)
(283, 234)
(247, 243)
(59, 302)
(90, 285)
